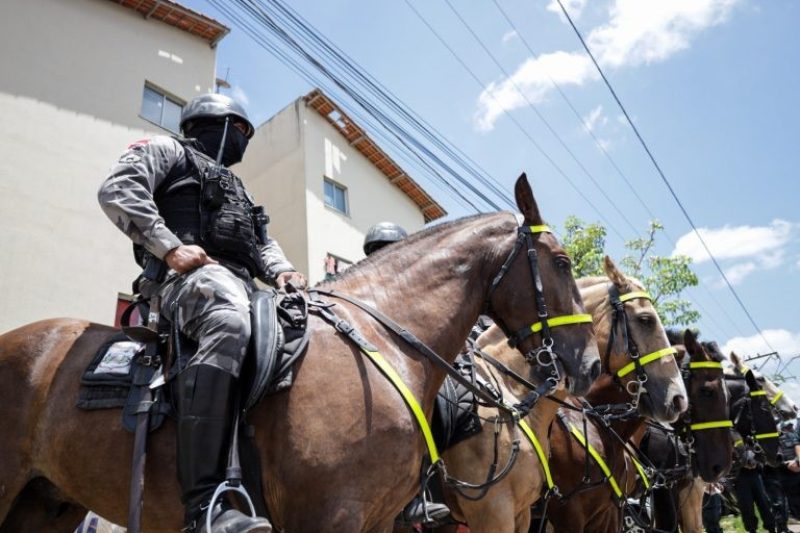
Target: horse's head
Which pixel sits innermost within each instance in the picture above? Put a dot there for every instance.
(707, 421)
(636, 350)
(753, 417)
(536, 302)
(781, 403)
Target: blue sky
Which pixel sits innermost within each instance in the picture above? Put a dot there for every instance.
(711, 85)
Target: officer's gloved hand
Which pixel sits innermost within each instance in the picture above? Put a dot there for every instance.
(187, 257)
(295, 278)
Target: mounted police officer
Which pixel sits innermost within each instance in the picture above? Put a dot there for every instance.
(418, 510)
(180, 205)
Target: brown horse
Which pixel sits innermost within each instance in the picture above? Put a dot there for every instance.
(593, 506)
(506, 506)
(340, 450)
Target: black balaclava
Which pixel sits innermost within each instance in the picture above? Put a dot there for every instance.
(209, 135)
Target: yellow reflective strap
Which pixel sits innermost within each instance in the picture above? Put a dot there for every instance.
(540, 229)
(744, 369)
(598, 459)
(642, 474)
(762, 436)
(409, 398)
(649, 358)
(777, 397)
(705, 364)
(526, 429)
(754, 393)
(564, 320)
(711, 425)
(635, 294)
(738, 442)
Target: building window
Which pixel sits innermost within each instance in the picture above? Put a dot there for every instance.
(336, 196)
(160, 109)
(335, 265)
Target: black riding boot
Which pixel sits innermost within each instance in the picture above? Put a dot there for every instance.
(204, 402)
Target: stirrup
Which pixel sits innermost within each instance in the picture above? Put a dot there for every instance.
(227, 486)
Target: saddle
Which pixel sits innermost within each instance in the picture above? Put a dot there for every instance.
(135, 361)
(454, 411)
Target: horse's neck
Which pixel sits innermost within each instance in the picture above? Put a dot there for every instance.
(435, 287)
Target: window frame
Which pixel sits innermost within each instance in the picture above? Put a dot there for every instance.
(345, 196)
(165, 96)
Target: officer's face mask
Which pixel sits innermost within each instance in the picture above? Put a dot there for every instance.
(210, 136)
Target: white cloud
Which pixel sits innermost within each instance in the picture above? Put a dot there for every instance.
(533, 79)
(594, 118)
(737, 273)
(509, 35)
(645, 31)
(574, 8)
(783, 341)
(238, 94)
(736, 242)
(637, 32)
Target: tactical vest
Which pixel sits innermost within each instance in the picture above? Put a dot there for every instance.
(207, 205)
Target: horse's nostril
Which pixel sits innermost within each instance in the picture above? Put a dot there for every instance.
(594, 372)
(679, 403)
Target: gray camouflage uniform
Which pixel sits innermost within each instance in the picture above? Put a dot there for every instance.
(210, 304)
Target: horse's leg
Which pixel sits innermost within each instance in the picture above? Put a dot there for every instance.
(41, 508)
(523, 521)
(691, 506)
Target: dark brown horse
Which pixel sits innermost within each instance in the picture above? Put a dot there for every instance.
(701, 449)
(340, 450)
(592, 505)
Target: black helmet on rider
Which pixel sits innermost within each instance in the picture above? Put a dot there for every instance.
(205, 119)
(382, 234)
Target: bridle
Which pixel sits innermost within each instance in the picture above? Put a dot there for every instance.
(752, 439)
(544, 356)
(619, 319)
(689, 428)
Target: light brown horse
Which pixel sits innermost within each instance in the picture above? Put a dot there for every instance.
(506, 506)
(665, 397)
(340, 450)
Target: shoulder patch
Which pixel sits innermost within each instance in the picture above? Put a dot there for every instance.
(130, 157)
(139, 143)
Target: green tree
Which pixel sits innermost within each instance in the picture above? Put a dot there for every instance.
(585, 244)
(665, 278)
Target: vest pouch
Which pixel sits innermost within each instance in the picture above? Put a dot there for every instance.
(230, 229)
(214, 190)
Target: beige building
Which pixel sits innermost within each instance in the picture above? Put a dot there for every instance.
(325, 182)
(81, 81)
(85, 78)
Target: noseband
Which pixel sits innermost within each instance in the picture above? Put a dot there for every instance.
(620, 319)
(544, 356)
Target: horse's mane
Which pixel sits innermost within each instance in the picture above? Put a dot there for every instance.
(409, 241)
(712, 349)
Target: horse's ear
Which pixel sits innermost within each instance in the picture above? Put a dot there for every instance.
(692, 346)
(737, 362)
(617, 278)
(751, 380)
(525, 200)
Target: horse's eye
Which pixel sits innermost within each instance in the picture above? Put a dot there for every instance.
(563, 263)
(645, 319)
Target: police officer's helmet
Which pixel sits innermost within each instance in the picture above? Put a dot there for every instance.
(214, 106)
(382, 234)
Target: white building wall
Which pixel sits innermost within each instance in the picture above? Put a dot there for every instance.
(94, 56)
(371, 197)
(70, 95)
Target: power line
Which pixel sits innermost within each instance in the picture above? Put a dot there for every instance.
(613, 163)
(663, 176)
(519, 126)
